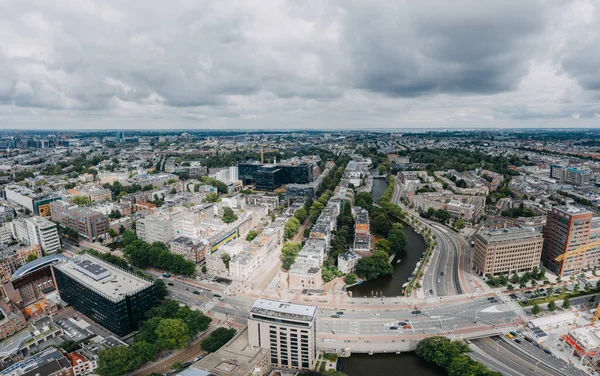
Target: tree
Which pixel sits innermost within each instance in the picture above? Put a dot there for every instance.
(117, 361)
(144, 351)
(229, 215)
(510, 288)
(371, 267)
(364, 200)
(536, 309)
(81, 200)
(459, 224)
(251, 235)
(566, 303)
(301, 214)
(383, 245)
(217, 339)
(514, 279)
(176, 366)
(350, 279)
(551, 306)
(31, 257)
(129, 237)
(212, 197)
(112, 233)
(291, 228)
(161, 289)
(440, 350)
(204, 269)
(171, 334)
(226, 259)
(381, 224)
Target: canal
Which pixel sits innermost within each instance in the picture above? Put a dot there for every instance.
(391, 364)
(405, 364)
(403, 264)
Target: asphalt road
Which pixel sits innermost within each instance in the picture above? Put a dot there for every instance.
(449, 317)
(512, 358)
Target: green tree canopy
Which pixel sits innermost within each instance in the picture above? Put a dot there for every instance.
(171, 334)
(217, 339)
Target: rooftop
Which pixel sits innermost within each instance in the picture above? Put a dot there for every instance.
(110, 281)
(509, 234)
(571, 210)
(284, 309)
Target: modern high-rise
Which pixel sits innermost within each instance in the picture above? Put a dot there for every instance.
(36, 203)
(287, 330)
(113, 297)
(568, 228)
(37, 230)
(507, 251)
(268, 177)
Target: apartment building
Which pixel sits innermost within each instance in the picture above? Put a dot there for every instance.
(37, 231)
(155, 228)
(508, 250)
(195, 251)
(89, 224)
(347, 261)
(305, 274)
(12, 319)
(568, 228)
(570, 175)
(287, 330)
(13, 257)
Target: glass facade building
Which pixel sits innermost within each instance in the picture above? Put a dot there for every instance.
(113, 298)
(268, 177)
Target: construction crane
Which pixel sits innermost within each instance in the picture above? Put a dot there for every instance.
(578, 251)
(596, 315)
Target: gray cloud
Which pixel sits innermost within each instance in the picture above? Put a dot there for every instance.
(286, 63)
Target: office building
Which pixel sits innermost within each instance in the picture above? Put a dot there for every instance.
(91, 225)
(37, 231)
(287, 330)
(568, 228)
(268, 177)
(508, 250)
(155, 228)
(36, 203)
(114, 298)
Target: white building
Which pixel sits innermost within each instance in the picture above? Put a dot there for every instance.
(288, 330)
(155, 228)
(347, 261)
(37, 230)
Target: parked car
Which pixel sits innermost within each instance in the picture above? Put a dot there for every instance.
(417, 312)
(339, 313)
(335, 316)
(517, 340)
(393, 328)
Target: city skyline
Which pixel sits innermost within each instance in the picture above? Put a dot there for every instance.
(326, 65)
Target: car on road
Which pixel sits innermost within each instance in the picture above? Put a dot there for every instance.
(375, 314)
(393, 328)
(417, 312)
(431, 292)
(196, 292)
(407, 327)
(510, 335)
(537, 345)
(514, 334)
(166, 275)
(335, 316)
(438, 280)
(517, 340)
(528, 339)
(548, 351)
(491, 298)
(339, 313)
(442, 274)
(388, 324)
(170, 284)
(402, 323)
(186, 364)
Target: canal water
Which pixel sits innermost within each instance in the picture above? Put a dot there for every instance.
(403, 264)
(405, 364)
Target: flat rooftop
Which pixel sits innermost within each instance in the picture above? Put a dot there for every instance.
(571, 209)
(509, 234)
(110, 281)
(284, 309)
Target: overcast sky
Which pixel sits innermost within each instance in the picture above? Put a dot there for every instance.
(272, 64)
